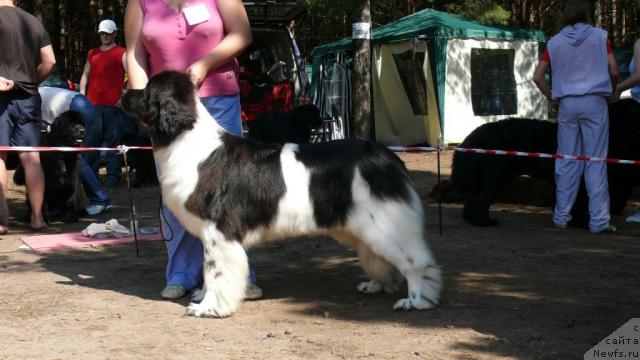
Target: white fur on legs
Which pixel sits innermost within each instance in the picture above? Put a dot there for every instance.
(370, 287)
(383, 274)
(395, 233)
(424, 289)
(197, 295)
(225, 273)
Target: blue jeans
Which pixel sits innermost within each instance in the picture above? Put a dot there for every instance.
(96, 194)
(88, 177)
(185, 251)
(106, 130)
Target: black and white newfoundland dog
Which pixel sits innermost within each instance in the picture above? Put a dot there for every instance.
(234, 193)
(64, 196)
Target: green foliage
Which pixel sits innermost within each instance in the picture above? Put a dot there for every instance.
(484, 11)
(332, 7)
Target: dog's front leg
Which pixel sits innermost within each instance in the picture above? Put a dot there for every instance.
(225, 272)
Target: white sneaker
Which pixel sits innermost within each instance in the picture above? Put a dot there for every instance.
(253, 292)
(96, 209)
(633, 218)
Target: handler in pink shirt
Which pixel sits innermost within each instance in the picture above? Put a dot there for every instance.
(202, 38)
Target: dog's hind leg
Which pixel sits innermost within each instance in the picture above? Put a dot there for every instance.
(395, 233)
(225, 273)
(384, 276)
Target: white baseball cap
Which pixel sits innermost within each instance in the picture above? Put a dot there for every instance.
(107, 26)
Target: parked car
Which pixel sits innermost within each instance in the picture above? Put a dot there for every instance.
(272, 70)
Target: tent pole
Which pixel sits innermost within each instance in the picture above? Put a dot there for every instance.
(438, 148)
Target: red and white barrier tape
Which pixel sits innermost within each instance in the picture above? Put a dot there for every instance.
(124, 149)
(412, 148)
(121, 148)
(516, 153)
(550, 156)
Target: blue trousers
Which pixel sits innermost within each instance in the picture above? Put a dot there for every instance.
(185, 250)
(90, 182)
(583, 129)
(108, 127)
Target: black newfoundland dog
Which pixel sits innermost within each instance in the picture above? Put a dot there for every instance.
(233, 193)
(280, 127)
(480, 177)
(63, 193)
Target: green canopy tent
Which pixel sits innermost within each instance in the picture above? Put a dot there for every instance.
(435, 73)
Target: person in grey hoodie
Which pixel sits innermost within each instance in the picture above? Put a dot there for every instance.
(583, 76)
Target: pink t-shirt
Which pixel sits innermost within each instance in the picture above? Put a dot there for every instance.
(173, 44)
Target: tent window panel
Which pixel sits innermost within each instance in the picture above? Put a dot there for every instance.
(413, 80)
(493, 85)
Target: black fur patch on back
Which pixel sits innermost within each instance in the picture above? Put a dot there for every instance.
(239, 186)
(332, 167)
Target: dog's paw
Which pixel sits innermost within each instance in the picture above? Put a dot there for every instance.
(408, 304)
(198, 310)
(370, 287)
(197, 295)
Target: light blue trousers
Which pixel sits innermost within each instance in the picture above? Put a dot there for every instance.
(583, 129)
(185, 250)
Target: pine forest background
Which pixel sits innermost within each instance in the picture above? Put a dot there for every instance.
(72, 24)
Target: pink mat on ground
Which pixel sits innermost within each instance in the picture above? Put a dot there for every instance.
(51, 242)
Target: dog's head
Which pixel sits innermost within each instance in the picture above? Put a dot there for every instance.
(167, 106)
(67, 130)
(306, 118)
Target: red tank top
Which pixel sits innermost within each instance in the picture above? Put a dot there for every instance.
(106, 78)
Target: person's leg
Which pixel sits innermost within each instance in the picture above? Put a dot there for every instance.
(568, 172)
(4, 210)
(6, 128)
(92, 138)
(34, 178)
(96, 194)
(594, 126)
(226, 111)
(112, 124)
(25, 113)
(185, 253)
(93, 128)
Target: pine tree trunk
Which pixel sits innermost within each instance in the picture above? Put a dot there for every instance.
(361, 79)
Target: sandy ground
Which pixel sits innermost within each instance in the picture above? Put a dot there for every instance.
(523, 290)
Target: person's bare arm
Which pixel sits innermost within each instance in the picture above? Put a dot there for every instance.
(237, 38)
(613, 70)
(84, 78)
(136, 63)
(47, 62)
(634, 79)
(538, 79)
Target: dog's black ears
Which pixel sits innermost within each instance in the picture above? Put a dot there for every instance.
(133, 103)
(167, 106)
(61, 123)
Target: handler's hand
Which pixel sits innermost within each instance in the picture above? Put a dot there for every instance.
(197, 72)
(5, 84)
(615, 96)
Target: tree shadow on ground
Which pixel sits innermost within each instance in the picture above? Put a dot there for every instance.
(523, 289)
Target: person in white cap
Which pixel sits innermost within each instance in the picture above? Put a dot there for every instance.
(102, 83)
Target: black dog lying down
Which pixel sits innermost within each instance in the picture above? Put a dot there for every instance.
(280, 127)
(479, 177)
(63, 192)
